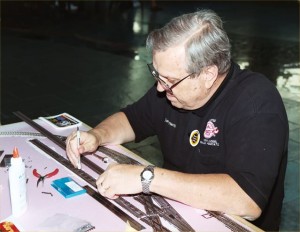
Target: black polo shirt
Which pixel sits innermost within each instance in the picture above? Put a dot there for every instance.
(242, 131)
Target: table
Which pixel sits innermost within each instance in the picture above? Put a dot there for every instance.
(42, 208)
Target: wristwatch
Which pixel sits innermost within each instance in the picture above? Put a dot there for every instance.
(147, 176)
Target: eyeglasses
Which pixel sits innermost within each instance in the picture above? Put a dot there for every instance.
(166, 87)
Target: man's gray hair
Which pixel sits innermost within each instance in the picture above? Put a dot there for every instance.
(206, 42)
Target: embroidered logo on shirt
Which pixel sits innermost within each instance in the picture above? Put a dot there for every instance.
(170, 124)
(211, 130)
(194, 138)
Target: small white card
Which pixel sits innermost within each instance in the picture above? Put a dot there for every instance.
(62, 121)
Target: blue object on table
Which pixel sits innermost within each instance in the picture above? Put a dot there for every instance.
(68, 187)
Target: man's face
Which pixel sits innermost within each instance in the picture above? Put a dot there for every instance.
(170, 64)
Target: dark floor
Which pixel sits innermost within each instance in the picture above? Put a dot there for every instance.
(91, 61)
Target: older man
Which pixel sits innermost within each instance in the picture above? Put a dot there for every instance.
(223, 131)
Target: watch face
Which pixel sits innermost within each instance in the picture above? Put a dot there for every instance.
(147, 175)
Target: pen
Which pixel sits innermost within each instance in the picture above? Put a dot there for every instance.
(78, 144)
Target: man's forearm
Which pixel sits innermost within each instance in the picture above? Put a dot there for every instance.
(114, 130)
(217, 192)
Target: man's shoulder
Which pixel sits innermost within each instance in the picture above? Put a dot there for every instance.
(249, 77)
(254, 93)
(254, 84)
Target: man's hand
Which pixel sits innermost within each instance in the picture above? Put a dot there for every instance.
(120, 179)
(88, 143)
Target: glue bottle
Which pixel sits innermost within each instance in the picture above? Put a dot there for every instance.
(17, 184)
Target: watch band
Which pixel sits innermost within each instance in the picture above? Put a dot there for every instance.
(146, 183)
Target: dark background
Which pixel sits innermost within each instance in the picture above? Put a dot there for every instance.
(57, 59)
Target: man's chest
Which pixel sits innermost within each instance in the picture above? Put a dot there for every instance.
(193, 143)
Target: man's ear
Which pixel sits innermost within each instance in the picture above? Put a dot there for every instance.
(211, 74)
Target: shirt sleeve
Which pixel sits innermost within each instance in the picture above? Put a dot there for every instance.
(140, 115)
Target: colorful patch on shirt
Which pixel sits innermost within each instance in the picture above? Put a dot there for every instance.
(211, 130)
(194, 138)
